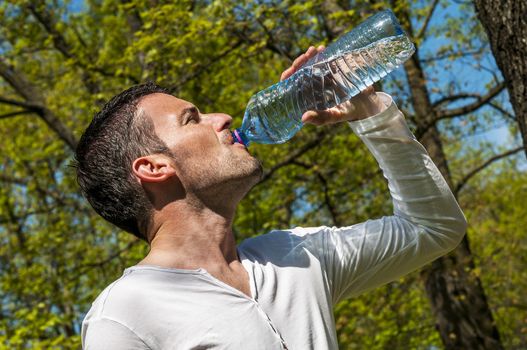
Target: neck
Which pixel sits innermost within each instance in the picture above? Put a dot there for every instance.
(189, 237)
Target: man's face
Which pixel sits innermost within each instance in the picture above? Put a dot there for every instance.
(205, 154)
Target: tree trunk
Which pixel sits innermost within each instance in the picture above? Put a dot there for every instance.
(506, 25)
(463, 317)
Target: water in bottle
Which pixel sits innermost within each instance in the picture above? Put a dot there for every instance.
(349, 65)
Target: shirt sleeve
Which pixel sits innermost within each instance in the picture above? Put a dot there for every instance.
(106, 334)
(427, 221)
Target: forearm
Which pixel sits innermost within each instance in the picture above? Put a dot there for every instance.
(419, 192)
(427, 220)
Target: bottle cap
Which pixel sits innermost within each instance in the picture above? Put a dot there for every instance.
(237, 137)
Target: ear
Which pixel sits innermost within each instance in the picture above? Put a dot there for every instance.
(153, 168)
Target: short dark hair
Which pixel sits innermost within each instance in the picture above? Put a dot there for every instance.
(116, 136)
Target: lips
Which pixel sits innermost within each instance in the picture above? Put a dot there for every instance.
(226, 138)
(231, 139)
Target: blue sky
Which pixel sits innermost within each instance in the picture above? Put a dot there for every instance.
(463, 71)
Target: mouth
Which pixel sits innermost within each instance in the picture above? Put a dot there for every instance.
(228, 139)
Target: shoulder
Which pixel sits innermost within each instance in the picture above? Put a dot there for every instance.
(280, 243)
(106, 320)
(134, 290)
(105, 333)
(115, 295)
(283, 235)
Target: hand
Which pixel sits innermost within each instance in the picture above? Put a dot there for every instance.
(361, 106)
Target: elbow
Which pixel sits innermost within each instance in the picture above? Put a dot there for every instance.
(453, 232)
(445, 234)
(463, 225)
(460, 229)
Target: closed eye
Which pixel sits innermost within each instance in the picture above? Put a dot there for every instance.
(192, 119)
(192, 116)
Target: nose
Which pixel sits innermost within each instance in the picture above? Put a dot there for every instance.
(219, 121)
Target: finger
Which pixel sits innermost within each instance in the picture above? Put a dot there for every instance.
(286, 74)
(291, 70)
(298, 62)
(328, 116)
(311, 51)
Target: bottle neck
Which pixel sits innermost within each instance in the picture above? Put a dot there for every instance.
(239, 136)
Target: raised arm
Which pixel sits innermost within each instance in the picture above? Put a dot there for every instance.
(427, 221)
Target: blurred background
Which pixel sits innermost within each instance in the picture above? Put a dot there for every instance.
(463, 92)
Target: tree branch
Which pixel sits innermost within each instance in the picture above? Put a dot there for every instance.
(331, 26)
(112, 256)
(24, 216)
(511, 304)
(34, 101)
(423, 29)
(202, 68)
(503, 111)
(327, 199)
(20, 85)
(292, 157)
(270, 43)
(13, 114)
(47, 21)
(452, 98)
(133, 18)
(476, 170)
(452, 55)
(9, 179)
(481, 100)
(18, 229)
(464, 95)
(38, 10)
(17, 103)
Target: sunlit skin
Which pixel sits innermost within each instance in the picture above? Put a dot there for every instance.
(195, 193)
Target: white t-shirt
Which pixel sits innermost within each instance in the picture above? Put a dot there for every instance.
(296, 276)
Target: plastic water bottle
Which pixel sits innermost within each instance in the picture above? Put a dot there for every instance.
(346, 67)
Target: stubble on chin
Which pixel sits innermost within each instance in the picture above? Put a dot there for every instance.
(231, 179)
(245, 168)
(227, 170)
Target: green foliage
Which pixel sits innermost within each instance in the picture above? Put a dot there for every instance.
(495, 208)
(57, 255)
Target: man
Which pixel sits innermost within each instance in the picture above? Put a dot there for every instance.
(156, 166)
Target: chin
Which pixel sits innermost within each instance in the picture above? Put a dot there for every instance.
(246, 173)
(257, 170)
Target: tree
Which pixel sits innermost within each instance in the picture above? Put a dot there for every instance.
(498, 234)
(462, 313)
(60, 63)
(451, 285)
(506, 26)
